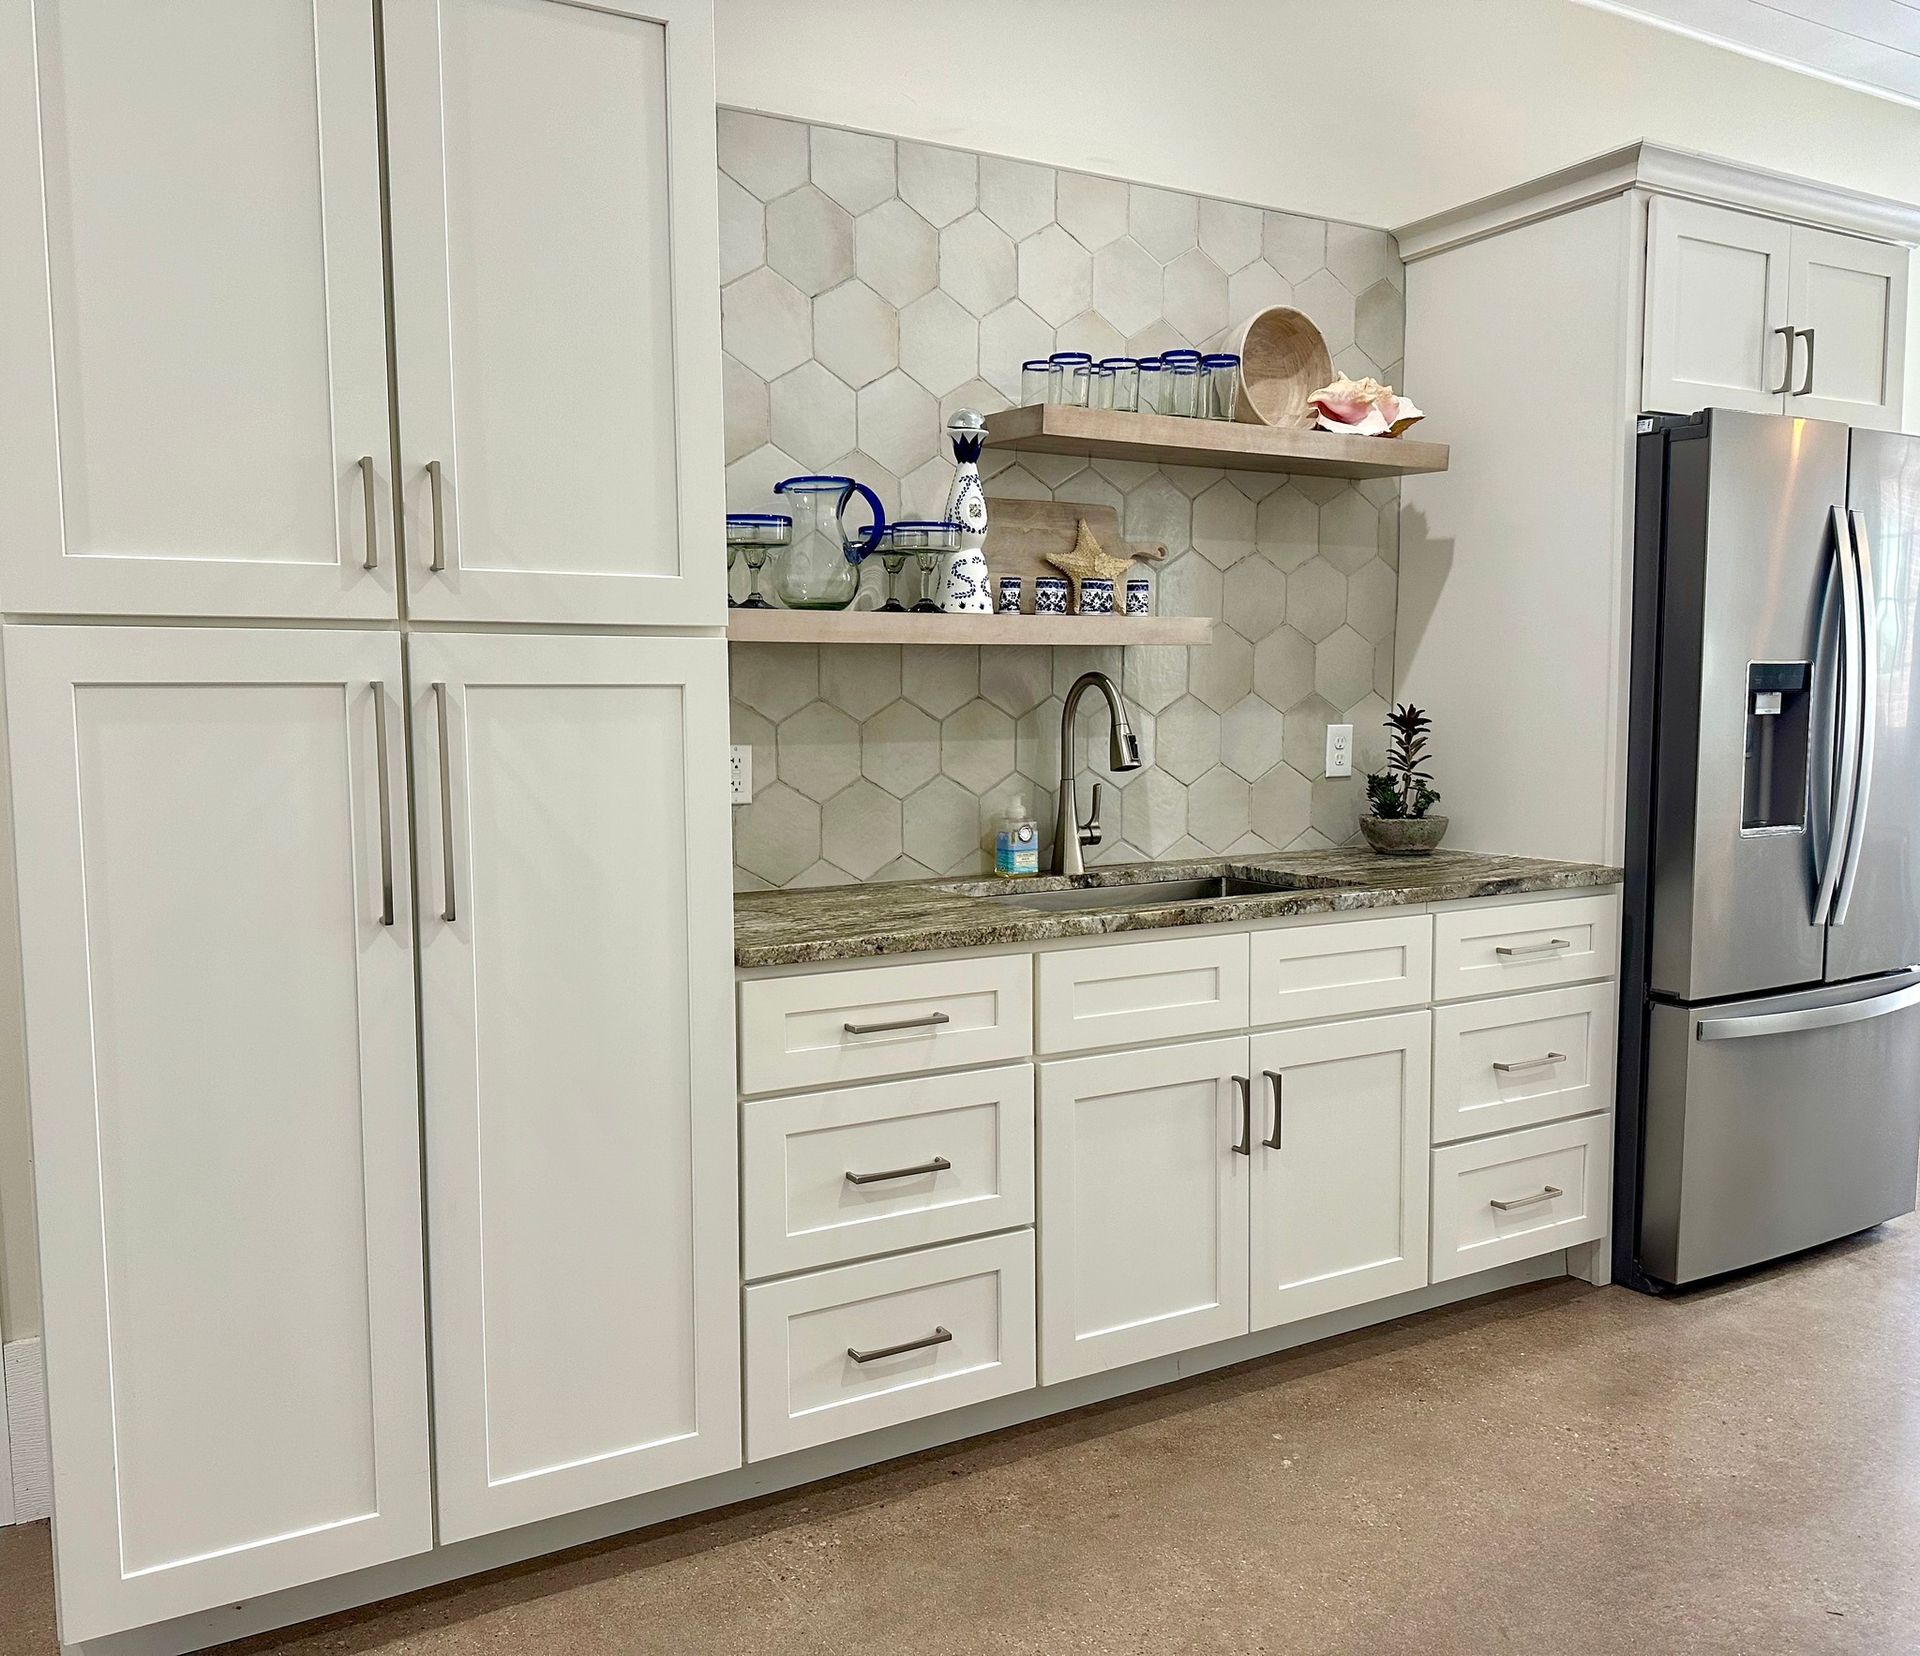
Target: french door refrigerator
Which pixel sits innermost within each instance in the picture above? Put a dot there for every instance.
(1770, 1027)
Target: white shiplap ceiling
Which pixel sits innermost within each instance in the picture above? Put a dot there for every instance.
(1870, 44)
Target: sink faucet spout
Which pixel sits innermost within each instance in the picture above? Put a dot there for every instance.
(1070, 834)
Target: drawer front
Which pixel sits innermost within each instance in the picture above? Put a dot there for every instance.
(822, 1362)
(833, 1176)
(1501, 1199)
(830, 1027)
(1507, 946)
(1522, 1059)
(1308, 972)
(1128, 993)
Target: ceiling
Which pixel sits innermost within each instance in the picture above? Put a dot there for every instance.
(1871, 44)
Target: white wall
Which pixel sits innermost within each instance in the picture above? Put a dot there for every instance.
(1378, 113)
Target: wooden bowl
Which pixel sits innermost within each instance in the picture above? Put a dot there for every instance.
(1283, 360)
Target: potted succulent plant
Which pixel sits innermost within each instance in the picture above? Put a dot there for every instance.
(1402, 797)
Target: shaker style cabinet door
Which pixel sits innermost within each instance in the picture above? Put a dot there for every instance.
(1143, 1205)
(1849, 304)
(576, 946)
(192, 311)
(217, 942)
(1339, 1165)
(1717, 333)
(555, 260)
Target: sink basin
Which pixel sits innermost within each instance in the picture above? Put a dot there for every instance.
(1149, 893)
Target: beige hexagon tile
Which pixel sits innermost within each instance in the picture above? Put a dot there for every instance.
(1256, 288)
(1016, 195)
(1153, 812)
(1349, 531)
(1371, 595)
(940, 678)
(810, 240)
(1303, 735)
(1093, 333)
(1036, 739)
(1282, 806)
(1250, 737)
(1155, 675)
(899, 422)
(1093, 210)
(860, 829)
(1343, 667)
(1336, 805)
(743, 881)
(1357, 365)
(1329, 306)
(1195, 295)
(1157, 511)
(860, 679)
(939, 342)
(1370, 737)
(778, 835)
(1316, 599)
(856, 333)
(865, 469)
(1390, 534)
(751, 478)
(1221, 672)
(923, 494)
(1219, 808)
(896, 252)
(1055, 274)
(744, 399)
(939, 824)
(855, 168)
(1188, 585)
(976, 394)
(1287, 527)
(1380, 321)
(819, 750)
(1255, 598)
(938, 184)
(774, 680)
(1383, 667)
(1189, 735)
(1230, 233)
(900, 748)
(766, 323)
(1283, 667)
(1294, 246)
(977, 263)
(976, 745)
(1164, 222)
(1127, 285)
(822, 873)
(1223, 525)
(1016, 678)
(1358, 256)
(765, 155)
(906, 868)
(1008, 337)
(811, 414)
(743, 230)
(1194, 481)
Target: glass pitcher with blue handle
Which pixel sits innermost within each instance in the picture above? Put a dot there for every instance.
(821, 569)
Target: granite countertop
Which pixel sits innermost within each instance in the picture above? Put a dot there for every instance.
(853, 922)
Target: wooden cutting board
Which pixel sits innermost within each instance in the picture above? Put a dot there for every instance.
(1020, 534)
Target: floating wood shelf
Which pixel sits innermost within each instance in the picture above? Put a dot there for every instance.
(1166, 439)
(779, 626)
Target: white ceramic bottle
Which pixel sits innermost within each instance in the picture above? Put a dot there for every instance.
(968, 588)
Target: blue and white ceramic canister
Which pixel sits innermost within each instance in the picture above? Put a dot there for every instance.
(1138, 595)
(1009, 588)
(1096, 595)
(1050, 595)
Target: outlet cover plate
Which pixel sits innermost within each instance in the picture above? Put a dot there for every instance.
(742, 774)
(1339, 750)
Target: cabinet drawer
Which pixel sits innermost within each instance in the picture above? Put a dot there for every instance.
(1506, 946)
(828, 1177)
(1554, 1179)
(936, 1329)
(1523, 1059)
(1352, 966)
(1128, 993)
(828, 1027)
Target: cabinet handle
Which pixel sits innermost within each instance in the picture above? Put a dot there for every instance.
(1551, 946)
(1531, 1063)
(926, 1020)
(939, 1164)
(939, 1336)
(448, 910)
(1806, 385)
(1786, 368)
(1546, 1195)
(435, 486)
(1275, 1081)
(370, 559)
(386, 801)
(1243, 1146)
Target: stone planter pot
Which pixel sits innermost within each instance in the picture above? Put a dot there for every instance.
(1404, 836)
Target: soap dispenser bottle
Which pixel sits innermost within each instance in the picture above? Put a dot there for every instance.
(1016, 840)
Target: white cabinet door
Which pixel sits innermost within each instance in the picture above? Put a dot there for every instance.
(192, 311)
(1717, 334)
(555, 261)
(576, 973)
(1340, 1165)
(1143, 1205)
(1848, 300)
(219, 973)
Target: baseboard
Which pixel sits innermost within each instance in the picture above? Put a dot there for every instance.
(29, 1491)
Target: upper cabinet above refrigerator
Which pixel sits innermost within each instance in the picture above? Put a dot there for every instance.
(1756, 314)
(194, 327)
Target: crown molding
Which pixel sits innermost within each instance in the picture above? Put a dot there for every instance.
(1663, 171)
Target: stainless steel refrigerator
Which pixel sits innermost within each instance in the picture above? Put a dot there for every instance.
(1770, 1014)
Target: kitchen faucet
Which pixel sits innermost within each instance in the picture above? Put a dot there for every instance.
(1123, 754)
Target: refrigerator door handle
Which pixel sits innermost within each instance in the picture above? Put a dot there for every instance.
(1840, 816)
(1808, 1017)
(1869, 638)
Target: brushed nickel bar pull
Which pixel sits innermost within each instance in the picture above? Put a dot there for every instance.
(448, 911)
(1275, 1083)
(1243, 1146)
(1520, 1064)
(1515, 951)
(370, 559)
(939, 1164)
(926, 1020)
(435, 484)
(1546, 1195)
(938, 1337)
(1806, 385)
(1786, 368)
(386, 801)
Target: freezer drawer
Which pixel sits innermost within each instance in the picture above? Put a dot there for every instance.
(1776, 1124)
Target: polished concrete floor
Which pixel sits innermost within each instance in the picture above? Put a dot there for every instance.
(1558, 1470)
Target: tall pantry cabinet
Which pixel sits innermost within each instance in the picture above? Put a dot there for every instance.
(377, 971)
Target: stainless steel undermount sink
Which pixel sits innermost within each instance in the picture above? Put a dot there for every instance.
(1151, 893)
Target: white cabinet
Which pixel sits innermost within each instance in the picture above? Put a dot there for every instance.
(576, 962)
(1515, 1195)
(1143, 1204)
(217, 943)
(194, 335)
(1339, 1194)
(556, 337)
(1753, 313)
(1147, 989)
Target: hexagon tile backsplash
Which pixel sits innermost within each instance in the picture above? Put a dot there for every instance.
(873, 285)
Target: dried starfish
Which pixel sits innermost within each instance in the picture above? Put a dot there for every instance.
(1086, 561)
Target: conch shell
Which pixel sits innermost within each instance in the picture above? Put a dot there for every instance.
(1362, 408)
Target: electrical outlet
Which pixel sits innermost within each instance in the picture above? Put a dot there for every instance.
(1339, 750)
(742, 775)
